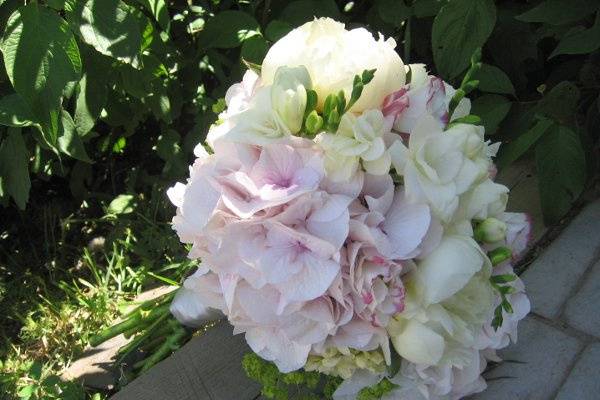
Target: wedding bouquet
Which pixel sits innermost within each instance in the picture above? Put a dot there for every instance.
(347, 221)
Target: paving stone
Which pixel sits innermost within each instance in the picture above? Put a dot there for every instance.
(584, 380)
(208, 367)
(546, 354)
(554, 275)
(582, 310)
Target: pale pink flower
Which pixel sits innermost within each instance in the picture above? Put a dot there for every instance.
(518, 232)
(389, 222)
(375, 285)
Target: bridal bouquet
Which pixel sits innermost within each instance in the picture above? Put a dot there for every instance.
(347, 221)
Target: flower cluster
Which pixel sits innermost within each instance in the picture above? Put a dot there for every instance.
(345, 217)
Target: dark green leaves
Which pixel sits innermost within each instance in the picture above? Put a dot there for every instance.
(493, 80)
(107, 25)
(459, 29)
(14, 170)
(512, 151)
(69, 141)
(228, 29)
(301, 11)
(14, 111)
(580, 42)
(492, 109)
(559, 12)
(41, 57)
(560, 163)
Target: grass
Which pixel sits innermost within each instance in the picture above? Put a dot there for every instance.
(66, 271)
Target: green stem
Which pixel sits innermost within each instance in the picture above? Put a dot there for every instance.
(135, 343)
(163, 351)
(135, 320)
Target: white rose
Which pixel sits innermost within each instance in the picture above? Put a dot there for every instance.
(333, 56)
(431, 166)
(488, 199)
(448, 300)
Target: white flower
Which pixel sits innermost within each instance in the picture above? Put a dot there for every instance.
(439, 166)
(333, 56)
(448, 299)
(488, 199)
(359, 138)
(519, 232)
(288, 95)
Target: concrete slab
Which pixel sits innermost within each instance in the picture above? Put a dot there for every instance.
(551, 278)
(584, 380)
(546, 355)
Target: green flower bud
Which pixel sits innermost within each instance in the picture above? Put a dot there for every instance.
(499, 255)
(491, 230)
(314, 122)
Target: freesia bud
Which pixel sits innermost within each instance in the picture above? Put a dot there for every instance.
(490, 230)
(314, 122)
(499, 255)
(288, 95)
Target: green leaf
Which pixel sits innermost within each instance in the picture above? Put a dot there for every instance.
(492, 109)
(91, 93)
(109, 26)
(299, 12)
(504, 278)
(459, 29)
(15, 112)
(41, 57)
(493, 80)
(35, 372)
(561, 169)
(561, 102)
(582, 42)
(159, 10)
(26, 392)
(559, 12)
(14, 167)
(277, 29)
(159, 102)
(69, 141)
(512, 151)
(228, 29)
(122, 204)
(254, 49)
(393, 12)
(56, 4)
(427, 8)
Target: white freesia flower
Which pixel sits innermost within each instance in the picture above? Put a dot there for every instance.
(333, 56)
(288, 95)
(448, 299)
(358, 139)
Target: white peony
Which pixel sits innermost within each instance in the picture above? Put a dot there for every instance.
(333, 56)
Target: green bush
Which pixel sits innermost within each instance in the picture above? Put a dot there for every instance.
(105, 96)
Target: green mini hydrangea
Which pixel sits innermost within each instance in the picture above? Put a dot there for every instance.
(344, 363)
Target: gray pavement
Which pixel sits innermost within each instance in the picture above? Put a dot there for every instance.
(557, 355)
